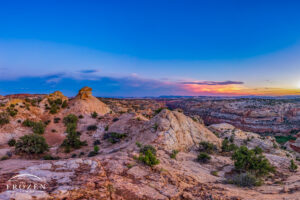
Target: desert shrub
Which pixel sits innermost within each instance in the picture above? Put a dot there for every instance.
(214, 173)
(4, 118)
(114, 137)
(71, 128)
(28, 123)
(4, 158)
(138, 144)
(92, 153)
(207, 147)
(92, 128)
(47, 122)
(56, 120)
(203, 157)
(293, 167)
(148, 156)
(97, 142)
(64, 104)
(38, 128)
(96, 148)
(80, 116)
(11, 142)
(74, 155)
(50, 157)
(106, 128)
(69, 119)
(12, 111)
(227, 146)
(155, 126)
(73, 141)
(245, 180)
(94, 115)
(115, 119)
(31, 144)
(174, 154)
(54, 109)
(146, 148)
(253, 161)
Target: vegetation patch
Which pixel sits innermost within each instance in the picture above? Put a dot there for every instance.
(207, 147)
(114, 137)
(148, 155)
(203, 157)
(4, 118)
(31, 144)
(283, 139)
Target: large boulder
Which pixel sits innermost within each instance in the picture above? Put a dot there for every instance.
(173, 130)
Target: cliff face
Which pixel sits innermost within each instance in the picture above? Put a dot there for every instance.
(257, 115)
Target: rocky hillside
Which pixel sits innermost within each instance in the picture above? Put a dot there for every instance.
(257, 115)
(82, 148)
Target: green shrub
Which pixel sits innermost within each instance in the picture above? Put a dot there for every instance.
(207, 147)
(94, 115)
(214, 173)
(146, 148)
(114, 137)
(4, 118)
(174, 154)
(227, 146)
(54, 109)
(115, 119)
(92, 128)
(97, 142)
(138, 144)
(252, 161)
(71, 127)
(70, 119)
(64, 104)
(11, 142)
(11, 111)
(106, 128)
(203, 158)
(293, 167)
(4, 158)
(31, 144)
(38, 128)
(73, 141)
(92, 153)
(56, 120)
(96, 148)
(245, 180)
(80, 116)
(50, 157)
(283, 139)
(28, 123)
(148, 157)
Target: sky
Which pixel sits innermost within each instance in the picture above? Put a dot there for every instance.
(151, 47)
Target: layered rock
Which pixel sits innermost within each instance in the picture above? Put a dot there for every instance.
(85, 103)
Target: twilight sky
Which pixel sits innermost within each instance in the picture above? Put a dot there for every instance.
(151, 47)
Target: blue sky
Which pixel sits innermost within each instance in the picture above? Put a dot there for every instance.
(145, 48)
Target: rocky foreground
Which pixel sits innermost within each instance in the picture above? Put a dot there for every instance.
(110, 163)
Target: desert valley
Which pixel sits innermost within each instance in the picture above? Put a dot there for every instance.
(149, 148)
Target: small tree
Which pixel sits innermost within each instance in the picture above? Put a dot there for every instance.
(31, 144)
(207, 147)
(251, 161)
(70, 119)
(203, 158)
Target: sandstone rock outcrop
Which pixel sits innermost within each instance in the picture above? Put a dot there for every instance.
(57, 95)
(86, 103)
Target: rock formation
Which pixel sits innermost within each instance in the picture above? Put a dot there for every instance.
(86, 103)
